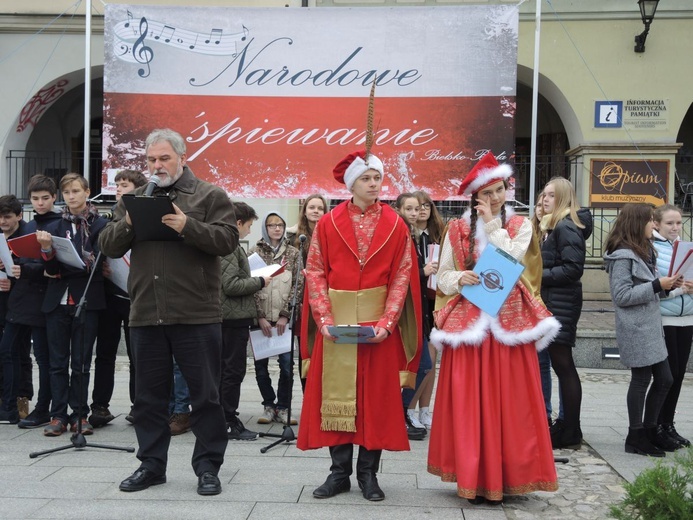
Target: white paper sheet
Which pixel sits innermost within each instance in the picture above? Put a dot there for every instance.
(6, 255)
(264, 347)
(120, 270)
(66, 253)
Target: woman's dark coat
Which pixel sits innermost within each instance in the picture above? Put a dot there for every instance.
(563, 257)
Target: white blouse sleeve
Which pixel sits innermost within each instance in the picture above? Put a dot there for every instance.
(447, 277)
(515, 247)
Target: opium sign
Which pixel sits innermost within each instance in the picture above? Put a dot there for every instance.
(617, 182)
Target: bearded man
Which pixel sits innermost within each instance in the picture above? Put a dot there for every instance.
(175, 312)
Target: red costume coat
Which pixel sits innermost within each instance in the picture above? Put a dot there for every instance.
(379, 424)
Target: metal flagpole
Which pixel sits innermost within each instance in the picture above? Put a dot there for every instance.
(87, 88)
(535, 102)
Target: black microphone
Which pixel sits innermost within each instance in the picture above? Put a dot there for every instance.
(302, 238)
(154, 181)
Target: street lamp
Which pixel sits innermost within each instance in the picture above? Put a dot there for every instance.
(647, 13)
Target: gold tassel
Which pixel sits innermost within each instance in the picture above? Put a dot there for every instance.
(337, 408)
(369, 120)
(335, 424)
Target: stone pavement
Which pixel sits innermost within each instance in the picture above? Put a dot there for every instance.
(84, 483)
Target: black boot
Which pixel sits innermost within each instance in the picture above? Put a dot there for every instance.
(366, 468)
(660, 439)
(671, 432)
(565, 436)
(338, 480)
(637, 442)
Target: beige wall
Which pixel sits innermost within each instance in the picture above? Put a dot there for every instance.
(586, 56)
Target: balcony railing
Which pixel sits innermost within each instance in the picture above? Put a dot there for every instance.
(21, 165)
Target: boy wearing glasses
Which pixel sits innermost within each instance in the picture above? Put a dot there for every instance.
(273, 311)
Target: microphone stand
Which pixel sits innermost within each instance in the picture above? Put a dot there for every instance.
(77, 439)
(287, 434)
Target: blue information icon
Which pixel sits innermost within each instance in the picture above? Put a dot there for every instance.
(608, 114)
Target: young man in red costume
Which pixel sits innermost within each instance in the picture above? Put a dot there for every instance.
(489, 432)
(359, 270)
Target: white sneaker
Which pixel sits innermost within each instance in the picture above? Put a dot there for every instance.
(414, 419)
(267, 416)
(283, 415)
(425, 417)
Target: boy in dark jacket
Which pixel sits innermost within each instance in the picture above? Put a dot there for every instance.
(239, 314)
(71, 342)
(111, 319)
(24, 313)
(13, 338)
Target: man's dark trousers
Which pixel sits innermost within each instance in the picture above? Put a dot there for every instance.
(197, 350)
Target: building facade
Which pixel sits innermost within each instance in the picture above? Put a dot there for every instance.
(607, 115)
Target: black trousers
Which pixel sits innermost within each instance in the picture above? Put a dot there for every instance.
(234, 358)
(110, 320)
(70, 346)
(644, 400)
(678, 341)
(197, 350)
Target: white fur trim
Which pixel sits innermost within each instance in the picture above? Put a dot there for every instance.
(358, 167)
(542, 334)
(500, 172)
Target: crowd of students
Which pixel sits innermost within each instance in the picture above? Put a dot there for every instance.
(489, 366)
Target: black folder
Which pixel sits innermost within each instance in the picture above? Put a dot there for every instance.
(146, 213)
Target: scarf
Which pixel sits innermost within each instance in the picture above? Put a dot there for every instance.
(546, 219)
(83, 223)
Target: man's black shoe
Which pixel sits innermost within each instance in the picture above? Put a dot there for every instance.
(7, 417)
(130, 417)
(414, 433)
(332, 486)
(208, 484)
(236, 431)
(100, 416)
(142, 479)
(35, 419)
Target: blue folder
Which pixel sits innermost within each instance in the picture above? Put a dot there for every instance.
(498, 273)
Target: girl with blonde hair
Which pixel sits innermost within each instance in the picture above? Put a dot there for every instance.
(565, 228)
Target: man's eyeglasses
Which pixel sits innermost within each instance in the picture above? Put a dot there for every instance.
(275, 226)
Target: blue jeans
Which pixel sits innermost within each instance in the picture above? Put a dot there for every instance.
(180, 394)
(264, 381)
(425, 366)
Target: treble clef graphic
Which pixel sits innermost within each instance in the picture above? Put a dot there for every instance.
(140, 51)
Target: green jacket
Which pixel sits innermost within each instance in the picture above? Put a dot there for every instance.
(238, 288)
(177, 282)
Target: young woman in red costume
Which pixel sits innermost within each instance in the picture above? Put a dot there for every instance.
(359, 270)
(489, 432)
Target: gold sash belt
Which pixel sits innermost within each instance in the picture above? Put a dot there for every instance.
(338, 408)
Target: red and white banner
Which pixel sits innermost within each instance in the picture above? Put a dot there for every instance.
(270, 100)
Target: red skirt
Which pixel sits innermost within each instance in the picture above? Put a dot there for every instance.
(489, 432)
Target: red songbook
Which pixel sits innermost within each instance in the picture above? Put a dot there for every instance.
(26, 246)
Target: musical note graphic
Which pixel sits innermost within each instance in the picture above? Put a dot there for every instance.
(143, 53)
(218, 33)
(132, 41)
(166, 29)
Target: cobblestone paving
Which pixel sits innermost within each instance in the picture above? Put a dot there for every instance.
(588, 486)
